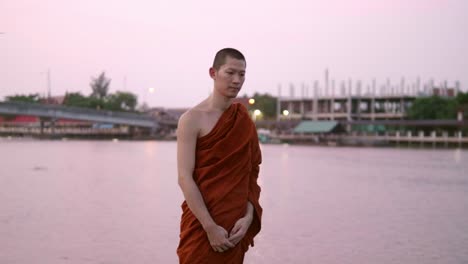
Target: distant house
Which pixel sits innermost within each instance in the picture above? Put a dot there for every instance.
(166, 113)
(23, 120)
(318, 127)
(53, 100)
(19, 120)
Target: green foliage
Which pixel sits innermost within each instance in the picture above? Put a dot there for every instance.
(434, 107)
(31, 98)
(97, 103)
(462, 98)
(99, 98)
(77, 100)
(462, 101)
(121, 101)
(265, 103)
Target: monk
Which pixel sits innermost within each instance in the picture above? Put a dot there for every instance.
(218, 158)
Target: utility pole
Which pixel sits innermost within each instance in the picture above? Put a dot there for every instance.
(47, 93)
(48, 84)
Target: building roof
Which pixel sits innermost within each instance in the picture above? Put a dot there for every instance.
(315, 127)
(19, 119)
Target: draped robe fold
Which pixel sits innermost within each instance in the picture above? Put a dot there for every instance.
(227, 163)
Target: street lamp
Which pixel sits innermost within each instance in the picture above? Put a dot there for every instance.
(150, 90)
(285, 112)
(251, 101)
(256, 113)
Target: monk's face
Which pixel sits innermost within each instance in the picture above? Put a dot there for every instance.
(228, 80)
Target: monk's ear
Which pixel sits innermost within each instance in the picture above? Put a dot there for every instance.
(212, 72)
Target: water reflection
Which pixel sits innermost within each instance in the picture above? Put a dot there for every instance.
(107, 202)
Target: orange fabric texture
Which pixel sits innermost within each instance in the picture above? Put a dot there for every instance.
(226, 170)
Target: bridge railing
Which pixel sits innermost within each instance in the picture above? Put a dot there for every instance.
(77, 110)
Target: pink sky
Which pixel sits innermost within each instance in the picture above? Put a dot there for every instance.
(169, 45)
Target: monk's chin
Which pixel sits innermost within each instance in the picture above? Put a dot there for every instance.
(231, 95)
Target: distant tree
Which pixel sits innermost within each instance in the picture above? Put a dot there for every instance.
(121, 101)
(265, 103)
(462, 102)
(77, 100)
(97, 103)
(462, 98)
(100, 86)
(31, 98)
(434, 107)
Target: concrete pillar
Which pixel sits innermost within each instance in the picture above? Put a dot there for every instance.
(326, 83)
(350, 102)
(431, 87)
(460, 138)
(445, 136)
(358, 90)
(373, 100)
(52, 125)
(278, 104)
(418, 85)
(388, 86)
(445, 88)
(42, 126)
(302, 90)
(291, 90)
(332, 108)
(302, 108)
(402, 86)
(343, 88)
(315, 102)
(402, 108)
(421, 136)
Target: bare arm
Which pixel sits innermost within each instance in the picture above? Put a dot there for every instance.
(187, 134)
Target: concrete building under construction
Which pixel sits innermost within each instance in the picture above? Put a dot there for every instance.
(355, 101)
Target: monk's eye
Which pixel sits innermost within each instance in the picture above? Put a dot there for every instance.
(230, 73)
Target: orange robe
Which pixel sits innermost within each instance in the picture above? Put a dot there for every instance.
(226, 170)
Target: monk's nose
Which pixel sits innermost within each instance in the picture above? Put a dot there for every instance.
(236, 79)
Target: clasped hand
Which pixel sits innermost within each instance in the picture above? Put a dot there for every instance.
(221, 241)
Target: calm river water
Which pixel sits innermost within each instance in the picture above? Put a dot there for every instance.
(110, 202)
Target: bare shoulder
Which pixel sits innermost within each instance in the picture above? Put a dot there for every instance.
(189, 122)
(191, 116)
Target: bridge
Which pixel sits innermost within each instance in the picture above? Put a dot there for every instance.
(55, 112)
